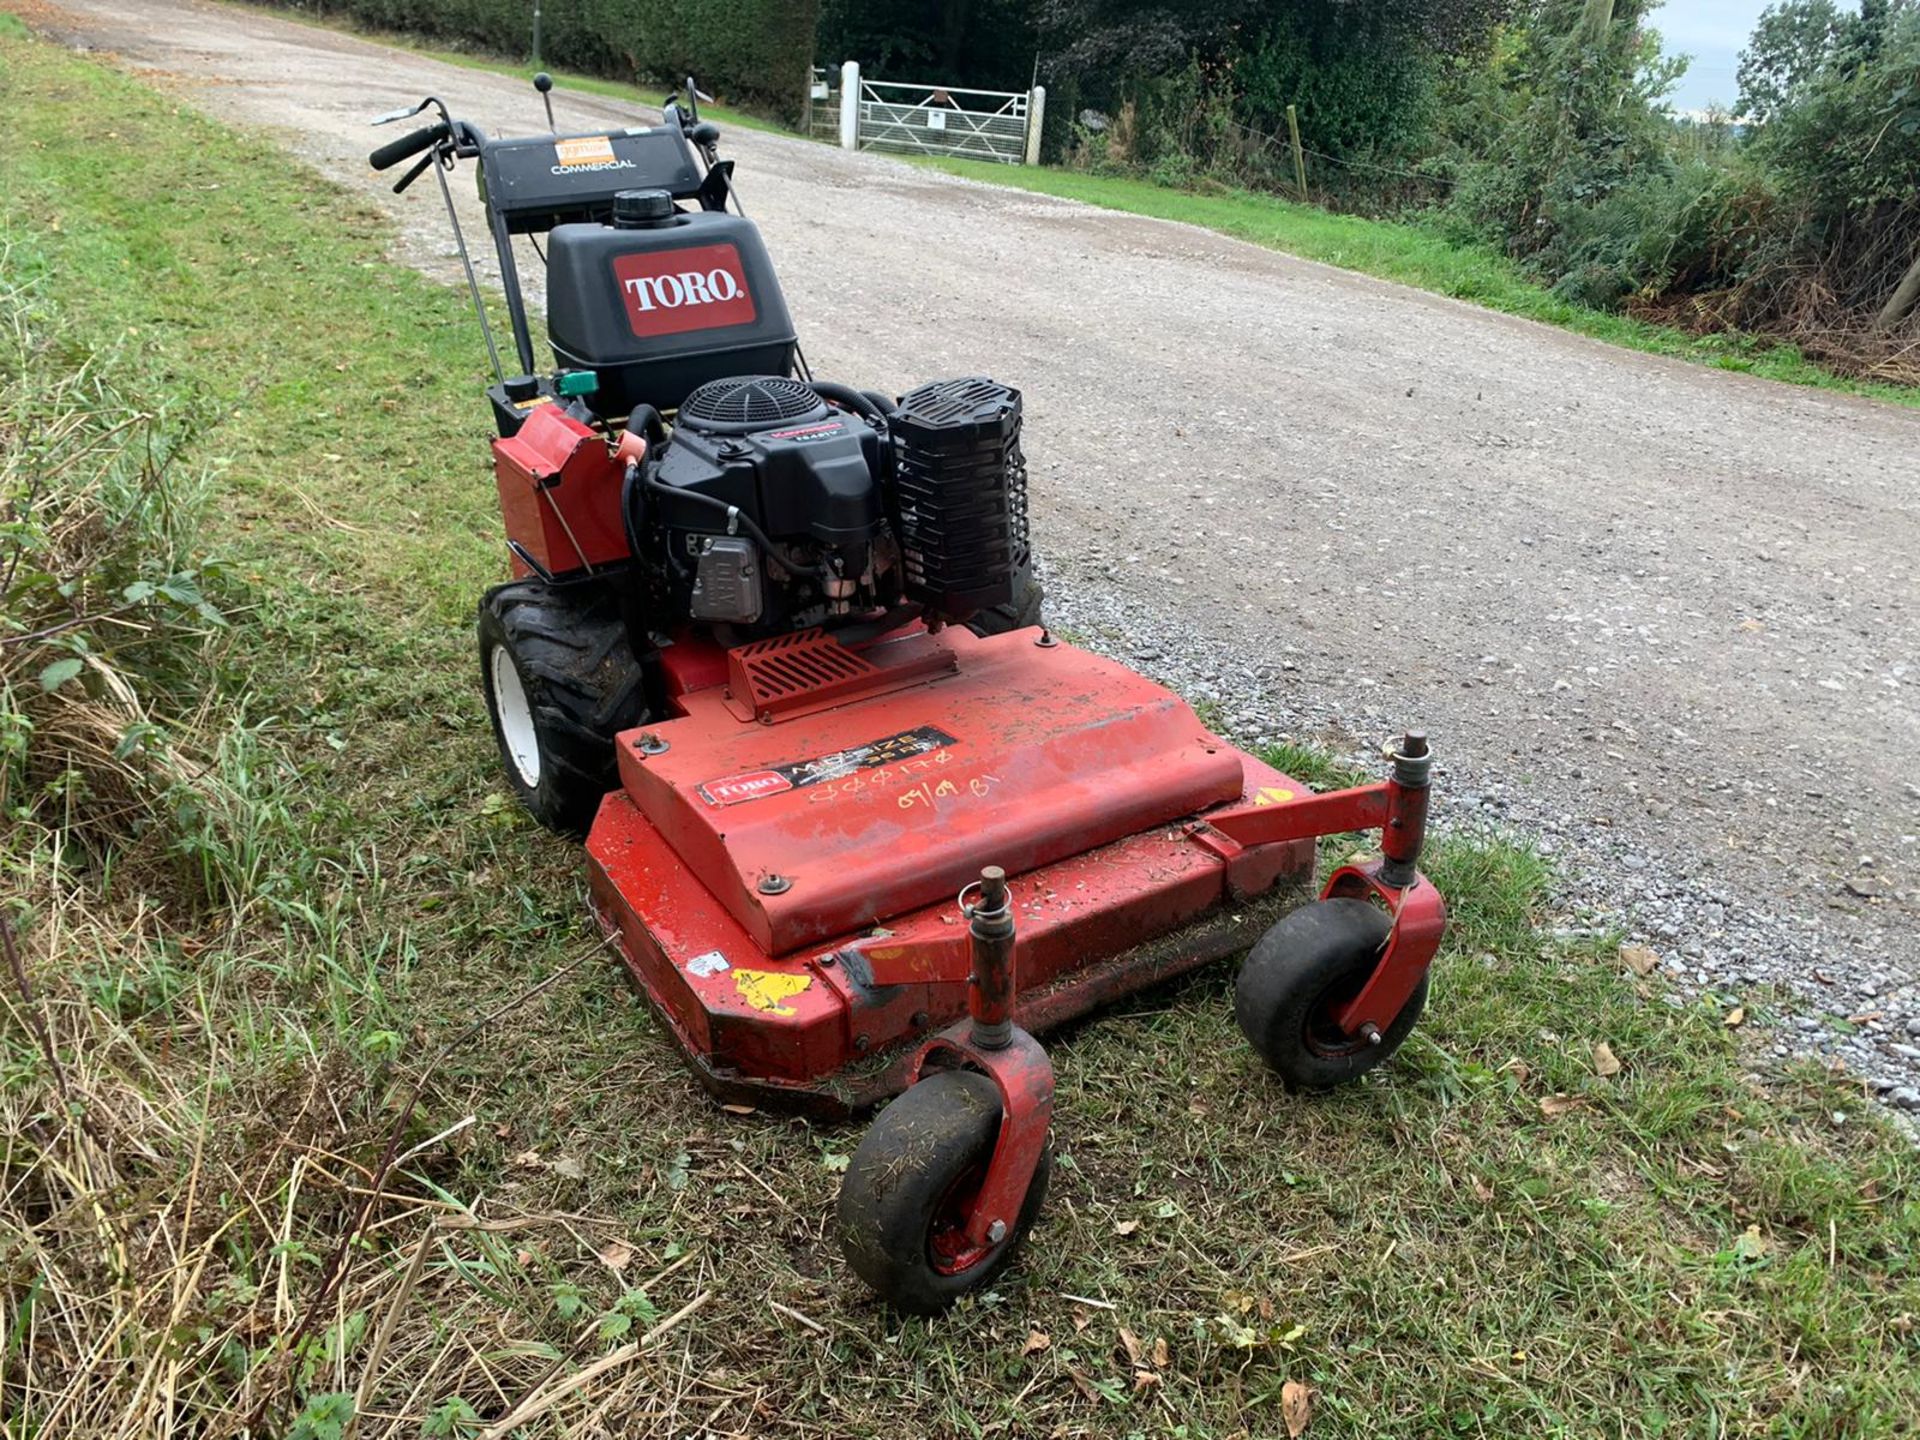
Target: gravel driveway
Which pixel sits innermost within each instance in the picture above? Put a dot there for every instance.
(1658, 616)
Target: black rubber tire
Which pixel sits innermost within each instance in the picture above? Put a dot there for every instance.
(933, 1138)
(582, 686)
(1023, 611)
(1314, 959)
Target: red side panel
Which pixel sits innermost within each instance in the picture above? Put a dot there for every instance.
(812, 829)
(559, 494)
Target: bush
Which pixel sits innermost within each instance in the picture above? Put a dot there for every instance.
(757, 51)
(1661, 230)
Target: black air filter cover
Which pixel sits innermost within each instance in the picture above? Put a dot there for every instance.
(960, 494)
(741, 404)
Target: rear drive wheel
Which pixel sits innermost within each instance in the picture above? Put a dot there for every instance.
(561, 681)
(1296, 979)
(909, 1189)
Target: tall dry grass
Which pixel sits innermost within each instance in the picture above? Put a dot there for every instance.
(218, 1212)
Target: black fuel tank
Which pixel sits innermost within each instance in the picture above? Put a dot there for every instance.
(659, 306)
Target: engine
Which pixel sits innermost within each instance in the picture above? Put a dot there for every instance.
(775, 504)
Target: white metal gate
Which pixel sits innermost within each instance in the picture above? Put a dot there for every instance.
(941, 120)
(1000, 125)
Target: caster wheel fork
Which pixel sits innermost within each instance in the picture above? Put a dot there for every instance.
(950, 1177)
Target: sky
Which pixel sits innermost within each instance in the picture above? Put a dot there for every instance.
(1713, 32)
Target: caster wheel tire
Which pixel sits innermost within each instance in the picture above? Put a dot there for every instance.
(909, 1186)
(1298, 975)
(561, 681)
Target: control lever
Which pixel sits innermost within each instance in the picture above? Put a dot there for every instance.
(419, 169)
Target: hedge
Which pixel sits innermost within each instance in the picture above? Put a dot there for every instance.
(758, 52)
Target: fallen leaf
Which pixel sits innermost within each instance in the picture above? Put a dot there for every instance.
(739, 1109)
(1082, 1317)
(1865, 1016)
(1126, 1227)
(1131, 1342)
(1083, 1384)
(1144, 1379)
(1736, 1017)
(1605, 1062)
(1639, 959)
(1232, 1332)
(1296, 1407)
(1037, 1340)
(617, 1256)
(569, 1168)
(525, 1160)
(1554, 1106)
(1161, 1356)
(1482, 1191)
(1752, 627)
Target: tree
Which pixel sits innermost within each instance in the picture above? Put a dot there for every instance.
(1152, 37)
(1793, 41)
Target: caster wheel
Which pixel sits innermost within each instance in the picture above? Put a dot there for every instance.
(1301, 972)
(909, 1186)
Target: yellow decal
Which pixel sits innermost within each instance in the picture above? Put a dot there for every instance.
(765, 989)
(588, 150)
(1272, 795)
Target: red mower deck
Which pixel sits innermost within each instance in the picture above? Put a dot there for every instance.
(824, 930)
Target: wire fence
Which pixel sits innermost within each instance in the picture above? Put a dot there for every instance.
(1283, 146)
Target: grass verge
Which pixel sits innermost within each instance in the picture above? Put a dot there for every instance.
(1416, 255)
(1499, 1234)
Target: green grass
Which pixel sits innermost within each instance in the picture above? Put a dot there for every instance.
(1415, 255)
(1487, 1238)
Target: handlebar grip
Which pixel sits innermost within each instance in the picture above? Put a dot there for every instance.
(392, 153)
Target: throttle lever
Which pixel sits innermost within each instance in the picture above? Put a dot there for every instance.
(419, 169)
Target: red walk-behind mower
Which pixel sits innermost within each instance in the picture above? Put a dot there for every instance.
(857, 822)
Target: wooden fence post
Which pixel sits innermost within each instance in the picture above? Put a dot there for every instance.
(1299, 155)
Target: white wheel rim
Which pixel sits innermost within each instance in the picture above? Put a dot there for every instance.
(516, 717)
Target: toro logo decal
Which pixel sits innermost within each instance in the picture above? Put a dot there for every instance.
(818, 769)
(670, 291)
(751, 786)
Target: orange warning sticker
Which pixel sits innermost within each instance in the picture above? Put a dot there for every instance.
(587, 150)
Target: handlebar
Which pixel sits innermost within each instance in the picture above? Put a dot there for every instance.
(394, 151)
